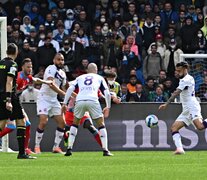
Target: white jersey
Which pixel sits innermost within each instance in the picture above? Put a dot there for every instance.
(59, 78)
(88, 85)
(187, 96)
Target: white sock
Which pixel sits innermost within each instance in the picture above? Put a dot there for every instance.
(104, 138)
(38, 138)
(177, 140)
(58, 137)
(72, 135)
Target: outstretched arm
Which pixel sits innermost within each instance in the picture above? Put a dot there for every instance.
(40, 81)
(172, 97)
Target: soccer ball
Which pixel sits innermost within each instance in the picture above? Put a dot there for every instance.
(151, 121)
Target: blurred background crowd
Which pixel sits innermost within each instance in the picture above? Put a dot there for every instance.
(135, 43)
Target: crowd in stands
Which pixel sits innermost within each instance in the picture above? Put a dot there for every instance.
(135, 43)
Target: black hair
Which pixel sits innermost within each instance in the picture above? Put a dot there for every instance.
(183, 64)
(26, 60)
(12, 49)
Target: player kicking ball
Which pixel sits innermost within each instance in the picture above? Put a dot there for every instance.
(87, 100)
(191, 110)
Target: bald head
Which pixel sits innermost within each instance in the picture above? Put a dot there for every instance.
(92, 68)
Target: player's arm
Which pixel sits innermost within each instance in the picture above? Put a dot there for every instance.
(171, 99)
(68, 94)
(41, 81)
(9, 84)
(55, 88)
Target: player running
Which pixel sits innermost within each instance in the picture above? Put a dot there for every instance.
(191, 110)
(87, 100)
(48, 104)
(24, 78)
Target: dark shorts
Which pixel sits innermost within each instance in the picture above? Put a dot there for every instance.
(16, 111)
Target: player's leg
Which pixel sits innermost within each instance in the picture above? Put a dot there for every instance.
(2, 124)
(72, 136)
(43, 119)
(177, 125)
(58, 133)
(18, 115)
(69, 116)
(87, 123)
(200, 124)
(79, 111)
(10, 126)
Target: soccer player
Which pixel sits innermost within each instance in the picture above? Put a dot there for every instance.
(48, 104)
(85, 120)
(10, 107)
(24, 78)
(87, 100)
(191, 110)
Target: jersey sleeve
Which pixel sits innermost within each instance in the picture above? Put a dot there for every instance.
(12, 69)
(50, 72)
(103, 85)
(183, 84)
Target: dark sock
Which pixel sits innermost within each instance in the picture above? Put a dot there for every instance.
(67, 128)
(205, 124)
(21, 138)
(96, 134)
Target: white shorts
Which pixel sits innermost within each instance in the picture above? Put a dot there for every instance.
(94, 109)
(189, 116)
(47, 107)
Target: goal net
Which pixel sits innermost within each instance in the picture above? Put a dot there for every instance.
(3, 42)
(198, 69)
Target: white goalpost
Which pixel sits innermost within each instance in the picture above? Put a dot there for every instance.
(3, 38)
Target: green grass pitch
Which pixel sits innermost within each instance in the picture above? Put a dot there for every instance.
(92, 165)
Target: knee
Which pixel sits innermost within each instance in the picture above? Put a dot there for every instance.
(87, 124)
(200, 127)
(43, 124)
(173, 128)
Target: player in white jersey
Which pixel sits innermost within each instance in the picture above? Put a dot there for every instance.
(191, 110)
(87, 100)
(48, 104)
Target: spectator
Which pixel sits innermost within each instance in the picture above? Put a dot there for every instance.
(131, 86)
(54, 43)
(167, 15)
(161, 48)
(172, 57)
(60, 35)
(111, 52)
(168, 87)
(199, 44)
(61, 9)
(158, 95)
(124, 30)
(139, 95)
(36, 18)
(33, 39)
(82, 38)
(200, 21)
(95, 54)
(115, 11)
(149, 33)
(147, 11)
(188, 30)
(171, 35)
(49, 22)
(133, 47)
(162, 77)
(26, 53)
(70, 18)
(40, 72)
(83, 22)
(30, 94)
(26, 26)
(152, 63)
(149, 87)
(181, 22)
(45, 53)
(16, 27)
(16, 39)
(123, 93)
(204, 28)
(128, 60)
(191, 12)
(16, 14)
(68, 54)
(82, 69)
(131, 10)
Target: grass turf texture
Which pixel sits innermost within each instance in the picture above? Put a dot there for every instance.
(92, 165)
